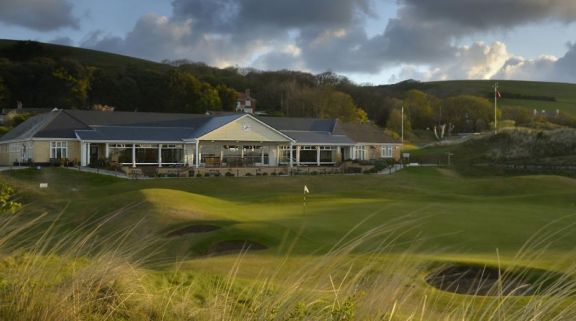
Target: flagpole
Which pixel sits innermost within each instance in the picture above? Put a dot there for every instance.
(495, 106)
(402, 125)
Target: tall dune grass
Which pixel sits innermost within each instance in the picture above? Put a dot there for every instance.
(82, 276)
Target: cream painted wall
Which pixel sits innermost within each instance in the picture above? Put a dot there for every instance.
(74, 151)
(4, 159)
(41, 151)
(245, 129)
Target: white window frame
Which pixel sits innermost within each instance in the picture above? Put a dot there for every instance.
(59, 145)
(387, 151)
(360, 152)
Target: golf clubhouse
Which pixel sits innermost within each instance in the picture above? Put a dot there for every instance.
(198, 141)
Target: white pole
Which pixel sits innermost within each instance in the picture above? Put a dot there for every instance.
(495, 106)
(197, 154)
(402, 124)
(159, 155)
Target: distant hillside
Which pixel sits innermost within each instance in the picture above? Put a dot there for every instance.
(47, 75)
(527, 94)
(85, 56)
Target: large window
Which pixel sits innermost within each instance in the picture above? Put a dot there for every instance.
(59, 150)
(121, 153)
(308, 154)
(387, 151)
(146, 153)
(326, 154)
(172, 154)
(360, 152)
(285, 154)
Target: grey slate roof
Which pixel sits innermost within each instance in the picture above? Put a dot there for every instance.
(30, 127)
(300, 124)
(310, 130)
(130, 133)
(367, 133)
(134, 126)
(137, 119)
(319, 137)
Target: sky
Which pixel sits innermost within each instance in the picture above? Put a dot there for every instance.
(369, 41)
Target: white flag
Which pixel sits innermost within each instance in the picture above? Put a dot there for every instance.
(306, 191)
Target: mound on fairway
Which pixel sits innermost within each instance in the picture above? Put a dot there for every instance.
(193, 229)
(234, 246)
(490, 281)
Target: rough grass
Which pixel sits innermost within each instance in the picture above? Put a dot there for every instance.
(361, 250)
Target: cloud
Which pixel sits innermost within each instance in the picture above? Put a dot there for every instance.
(481, 61)
(40, 15)
(318, 35)
(545, 68)
(235, 15)
(477, 61)
(484, 15)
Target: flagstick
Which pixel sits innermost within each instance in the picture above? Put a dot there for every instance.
(304, 205)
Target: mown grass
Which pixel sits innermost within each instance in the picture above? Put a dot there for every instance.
(372, 237)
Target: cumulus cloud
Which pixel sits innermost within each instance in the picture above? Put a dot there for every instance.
(481, 61)
(40, 15)
(546, 68)
(319, 35)
(477, 61)
(238, 32)
(489, 14)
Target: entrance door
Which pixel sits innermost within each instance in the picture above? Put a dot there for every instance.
(94, 152)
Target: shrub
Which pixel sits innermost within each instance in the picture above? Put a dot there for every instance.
(7, 199)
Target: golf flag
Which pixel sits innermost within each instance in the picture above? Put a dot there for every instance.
(306, 191)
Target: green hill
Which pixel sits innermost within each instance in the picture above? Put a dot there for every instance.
(89, 57)
(528, 94)
(135, 84)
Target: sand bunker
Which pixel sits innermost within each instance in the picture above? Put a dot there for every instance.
(193, 229)
(234, 246)
(489, 281)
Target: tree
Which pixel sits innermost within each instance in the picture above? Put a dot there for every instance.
(520, 115)
(185, 93)
(468, 113)
(14, 119)
(420, 109)
(361, 115)
(228, 97)
(75, 79)
(4, 93)
(395, 122)
(7, 201)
